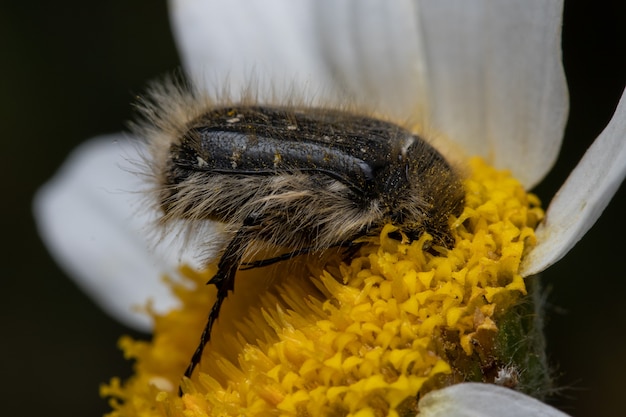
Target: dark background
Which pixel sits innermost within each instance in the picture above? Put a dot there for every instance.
(68, 73)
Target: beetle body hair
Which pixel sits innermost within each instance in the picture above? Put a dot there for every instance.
(334, 219)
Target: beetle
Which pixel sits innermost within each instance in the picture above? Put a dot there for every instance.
(300, 179)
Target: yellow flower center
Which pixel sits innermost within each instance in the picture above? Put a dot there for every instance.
(316, 336)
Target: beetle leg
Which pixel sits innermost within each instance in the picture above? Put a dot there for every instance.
(224, 281)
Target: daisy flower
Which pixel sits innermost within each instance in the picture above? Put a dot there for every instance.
(403, 327)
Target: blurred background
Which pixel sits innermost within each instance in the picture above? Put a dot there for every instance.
(68, 73)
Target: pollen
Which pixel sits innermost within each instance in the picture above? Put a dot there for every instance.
(365, 336)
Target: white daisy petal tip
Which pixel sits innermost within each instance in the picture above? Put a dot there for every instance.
(583, 197)
(88, 217)
(472, 399)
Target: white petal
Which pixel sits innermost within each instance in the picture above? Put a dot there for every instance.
(483, 400)
(583, 197)
(374, 53)
(91, 218)
(496, 82)
(269, 43)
